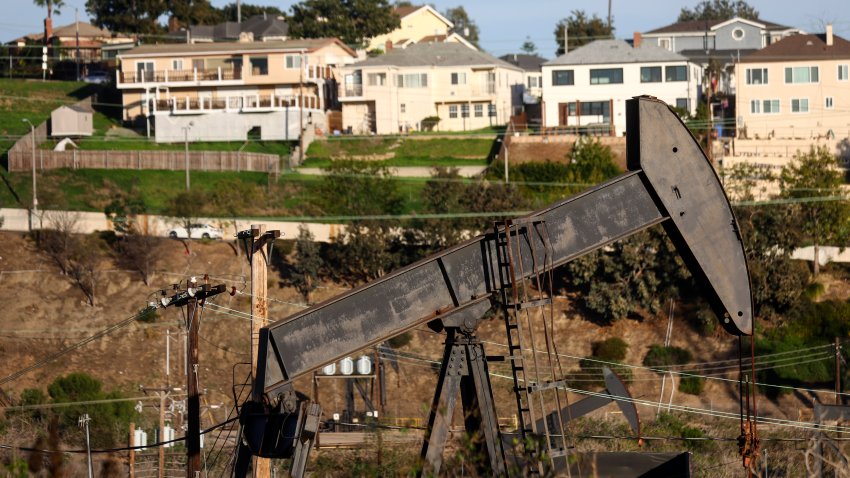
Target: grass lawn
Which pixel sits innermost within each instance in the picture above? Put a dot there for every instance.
(407, 152)
(402, 162)
(350, 146)
(279, 148)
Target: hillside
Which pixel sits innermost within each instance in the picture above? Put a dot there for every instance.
(44, 311)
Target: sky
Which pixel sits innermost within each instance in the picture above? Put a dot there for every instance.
(505, 24)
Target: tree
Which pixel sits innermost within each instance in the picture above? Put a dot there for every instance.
(194, 12)
(528, 46)
(463, 25)
(52, 6)
(186, 207)
(85, 265)
(825, 219)
(127, 16)
(718, 10)
(581, 30)
(352, 21)
(229, 11)
(308, 260)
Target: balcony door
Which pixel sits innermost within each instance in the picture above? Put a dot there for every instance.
(144, 71)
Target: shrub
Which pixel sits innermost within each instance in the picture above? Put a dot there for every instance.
(691, 385)
(430, 122)
(814, 290)
(612, 350)
(661, 356)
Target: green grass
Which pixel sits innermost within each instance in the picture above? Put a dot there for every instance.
(445, 148)
(405, 162)
(350, 146)
(407, 151)
(488, 130)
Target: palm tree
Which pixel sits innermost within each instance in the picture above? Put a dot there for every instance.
(52, 5)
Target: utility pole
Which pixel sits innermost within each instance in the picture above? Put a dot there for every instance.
(193, 432)
(84, 423)
(837, 370)
(186, 152)
(132, 458)
(258, 246)
(77, 24)
(190, 298)
(609, 16)
(301, 112)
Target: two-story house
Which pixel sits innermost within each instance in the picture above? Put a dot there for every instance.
(532, 65)
(419, 23)
(223, 91)
(798, 87)
(394, 92)
(723, 41)
(588, 87)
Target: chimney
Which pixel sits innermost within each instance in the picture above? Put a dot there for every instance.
(829, 39)
(388, 46)
(636, 40)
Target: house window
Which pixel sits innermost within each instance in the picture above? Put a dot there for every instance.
(738, 34)
(259, 65)
(144, 71)
(198, 64)
(479, 110)
(843, 72)
(377, 79)
(650, 74)
(828, 103)
(176, 65)
(464, 110)
(563, 78)
(412, 80)
(676, 73)
(458, 78)
(800, 105)
(293, 62)
(590, 108)
(664, 43)
(755, 107)
(770, 106)
(452, 111)
(756, 76)
(801, 74)
(534, 82)
(683, 103)
(606, 76)
(491, 110)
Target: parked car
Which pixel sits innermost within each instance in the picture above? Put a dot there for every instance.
(196, 231)
(98, 77)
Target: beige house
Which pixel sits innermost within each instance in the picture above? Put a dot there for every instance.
(795, 88)
(418, 24)
(467, 89)
(223, 91)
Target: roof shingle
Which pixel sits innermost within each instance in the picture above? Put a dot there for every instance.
(615, 51)
(801, 47)
(434, 54)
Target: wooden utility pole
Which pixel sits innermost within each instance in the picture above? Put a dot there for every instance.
(162, 395)
(259, 260)
(837, 369)
(193, 432)
(132, 458)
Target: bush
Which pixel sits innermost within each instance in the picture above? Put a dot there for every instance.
(430, 122)
(691, 385)
(661, 356)
(814, 290)
(148, 315)
(612, 350)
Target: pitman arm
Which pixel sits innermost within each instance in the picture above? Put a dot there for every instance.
(670, 181)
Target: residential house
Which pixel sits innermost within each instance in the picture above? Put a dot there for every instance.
(65, 46)
(723, 41)
(588, 87)
(256, 28)
(223, 91)
(394, 92)
(420, 23)
(532, 65)
(795, 88)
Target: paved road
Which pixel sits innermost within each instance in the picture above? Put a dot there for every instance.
(88, 222)
(411, 172)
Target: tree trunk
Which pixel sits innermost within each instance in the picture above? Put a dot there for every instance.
(816, 266)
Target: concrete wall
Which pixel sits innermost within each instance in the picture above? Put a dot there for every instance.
(232, 126)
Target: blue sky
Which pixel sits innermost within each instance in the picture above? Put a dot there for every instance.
(505, 24)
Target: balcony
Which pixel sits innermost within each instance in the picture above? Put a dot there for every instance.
(237, 104)
(178, 77)
(353, 90)
(484, 89)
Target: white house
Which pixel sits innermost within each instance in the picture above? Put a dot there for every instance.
(589, 86)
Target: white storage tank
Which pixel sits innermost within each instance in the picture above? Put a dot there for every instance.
(346, 366)
(364, 365)
(329, 369)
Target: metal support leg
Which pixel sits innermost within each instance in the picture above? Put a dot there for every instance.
(480, 416)
(442, 408)
(305, 436)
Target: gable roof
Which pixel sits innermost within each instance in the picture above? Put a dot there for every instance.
(87, 30)
(525, 61)
(802, 47)
(259, 25)
(407, 11)
(615, 51)
(434, 54)
(171, 49)
(700, 26)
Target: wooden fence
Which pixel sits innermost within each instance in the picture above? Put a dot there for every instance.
(20, 160)
(21, 156)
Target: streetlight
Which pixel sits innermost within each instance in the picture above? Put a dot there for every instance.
(34, 195)
(186, 156)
